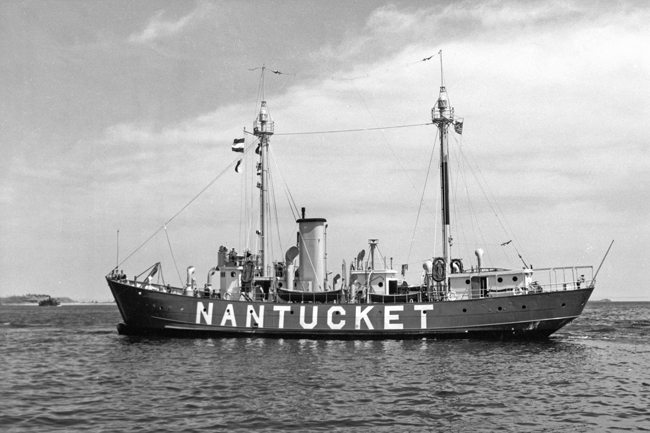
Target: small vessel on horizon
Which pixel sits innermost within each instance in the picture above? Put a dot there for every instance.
(49, 302)
(294, 297)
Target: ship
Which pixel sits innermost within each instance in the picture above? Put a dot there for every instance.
(49, 302)
(295, 296)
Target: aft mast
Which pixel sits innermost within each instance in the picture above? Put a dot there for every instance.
(263, 129)
(442, 116)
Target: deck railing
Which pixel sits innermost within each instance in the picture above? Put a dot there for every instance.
(563, 278)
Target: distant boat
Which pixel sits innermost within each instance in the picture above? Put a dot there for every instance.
(49, 302)
(295, 297)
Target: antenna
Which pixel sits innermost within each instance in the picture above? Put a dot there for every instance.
(442, 77)
(263, 84)
(117, 262)
(601, 263)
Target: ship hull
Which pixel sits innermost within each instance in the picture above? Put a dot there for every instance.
(530, 316)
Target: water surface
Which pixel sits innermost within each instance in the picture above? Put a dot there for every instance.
(66, 369)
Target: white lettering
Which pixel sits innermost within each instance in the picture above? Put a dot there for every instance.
(362, 315)
(282, 309)
(229, 316)
(314, 317)
(388, 317)
(259, 318)
(200, 311)
(423, 309)
(330, 322)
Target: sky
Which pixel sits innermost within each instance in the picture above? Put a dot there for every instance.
(115, 115)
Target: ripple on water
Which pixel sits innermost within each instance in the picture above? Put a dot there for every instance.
(73, 372)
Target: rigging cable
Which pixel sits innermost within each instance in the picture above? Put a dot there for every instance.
(358, 77)
(460, 174)
(224, 171)
(173, 258)
(507, 230)
(417, 218)
(337, 131)
(388, 143)
(292, 203)
(473, 212)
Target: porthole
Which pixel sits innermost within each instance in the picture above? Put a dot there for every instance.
(381, 284)
(280, 285)
(466, 281)
(499, 308)
(464, 310)
(514, 278)
(232, 274)
(563, 305)
(500, 280)
(523, 307)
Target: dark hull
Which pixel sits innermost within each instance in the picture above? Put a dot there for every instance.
(530, 316)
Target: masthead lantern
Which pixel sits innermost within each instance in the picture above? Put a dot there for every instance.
(263, 124)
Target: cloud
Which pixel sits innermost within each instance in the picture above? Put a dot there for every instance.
(554, 113)
(159, 28)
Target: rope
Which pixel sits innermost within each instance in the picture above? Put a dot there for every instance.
(417, 218)
(292, 203)
(493, 202)
(337, 78)
(225, 170)
(338, 131)
(173, 258)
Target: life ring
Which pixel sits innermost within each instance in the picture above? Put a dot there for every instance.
(517, 291)
(248, 272)
(451, 295)
(227, 296)
(439, 271)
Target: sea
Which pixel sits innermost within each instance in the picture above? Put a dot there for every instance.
(67, 369)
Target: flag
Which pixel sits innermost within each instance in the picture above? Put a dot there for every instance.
(458, 127)
(237, 166)
(238, 145)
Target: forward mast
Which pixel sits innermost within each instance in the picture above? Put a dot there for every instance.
(263, 129)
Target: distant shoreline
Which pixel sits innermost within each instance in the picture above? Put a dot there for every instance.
(63, 303)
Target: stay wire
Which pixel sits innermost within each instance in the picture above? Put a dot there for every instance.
(292, 203)
(417, 218)
(173, 258)
(388, 143)
(225, 170)
(338, 131)
(492, 199)
(352, 78)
